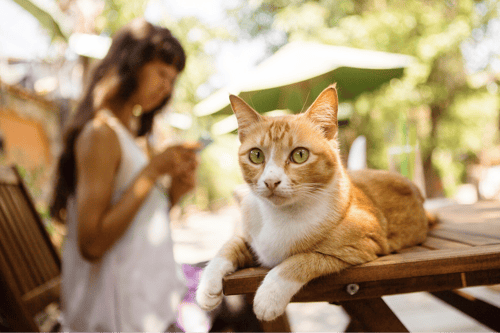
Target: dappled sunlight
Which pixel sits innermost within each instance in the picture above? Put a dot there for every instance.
(157, 228)
(151, 322)
(418, 87)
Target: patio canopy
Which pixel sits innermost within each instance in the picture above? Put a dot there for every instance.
(295, 75)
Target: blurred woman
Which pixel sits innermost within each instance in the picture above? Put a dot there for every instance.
(118, 271)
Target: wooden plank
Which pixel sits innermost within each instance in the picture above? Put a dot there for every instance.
(279, 324)
(413, 249)
(355, 326)
(374, 315)
(329, 290)
(469, 239)
(37, 299)
(39, 222)
(10, 257)
(37, 248)
(16, 316)
(435, 243)
(490, 229)
(480, 212)
(16, 259)
(19, 240)
(481, 311)
(395, 266)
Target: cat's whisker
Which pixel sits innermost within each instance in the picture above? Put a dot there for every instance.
(305, 101)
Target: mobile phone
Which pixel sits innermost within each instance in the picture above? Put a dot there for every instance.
(204, 141)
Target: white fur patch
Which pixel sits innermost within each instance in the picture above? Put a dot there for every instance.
(285, 226)
(209, 291)
(273, 295)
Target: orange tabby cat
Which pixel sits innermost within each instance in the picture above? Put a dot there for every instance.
(306, 216)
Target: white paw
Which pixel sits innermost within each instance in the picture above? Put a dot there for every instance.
(273, 296)
(209, 292)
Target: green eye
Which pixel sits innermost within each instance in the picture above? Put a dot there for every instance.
(256, 156)
(300, 155)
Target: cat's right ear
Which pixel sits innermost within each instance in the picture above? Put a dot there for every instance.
(245, 115)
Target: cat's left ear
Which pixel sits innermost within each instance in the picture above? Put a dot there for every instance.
(323, 112)
(245, 115)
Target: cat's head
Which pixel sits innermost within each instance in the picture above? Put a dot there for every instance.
(290, 158)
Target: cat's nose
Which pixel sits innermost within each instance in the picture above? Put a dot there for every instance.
(272, 183)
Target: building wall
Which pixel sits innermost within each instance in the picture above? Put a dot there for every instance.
(25, 141)
(31, 135)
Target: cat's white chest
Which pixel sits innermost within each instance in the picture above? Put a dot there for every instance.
(281, 231)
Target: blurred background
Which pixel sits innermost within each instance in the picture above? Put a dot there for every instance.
(418, 82)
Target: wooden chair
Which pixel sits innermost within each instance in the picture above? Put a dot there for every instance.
(462, 251)
(30, 266)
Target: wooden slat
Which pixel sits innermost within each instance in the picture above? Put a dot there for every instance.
(37, 299)
(396, 266)
(37, 248)
(481, 311)
(435, 243)
(41, 227)
(490, 229)
(328, 290)
(279, 324)
(17, 317)
(480, 212)
(374, 315)
(29, 264)
(20, 240)
(413, 249)
(10, 257)
(16, 259)
(457, 236)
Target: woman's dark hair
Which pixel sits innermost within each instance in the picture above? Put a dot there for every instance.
(134, 45)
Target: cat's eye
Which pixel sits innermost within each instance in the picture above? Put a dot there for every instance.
(256, 156)
(299, 155)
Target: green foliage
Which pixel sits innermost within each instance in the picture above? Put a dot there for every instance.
(117, 13)
(219, 173)
(451, 117)
(434, 96)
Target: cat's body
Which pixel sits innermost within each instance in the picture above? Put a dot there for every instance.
(305, 215)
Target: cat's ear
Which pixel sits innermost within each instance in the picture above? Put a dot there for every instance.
(245, 115)
(323, 112)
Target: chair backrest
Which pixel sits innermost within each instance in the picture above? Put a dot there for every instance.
(30, 266)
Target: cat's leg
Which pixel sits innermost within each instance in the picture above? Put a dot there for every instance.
(233, 255)
(285, 280)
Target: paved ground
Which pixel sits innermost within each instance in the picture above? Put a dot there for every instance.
(200, 235)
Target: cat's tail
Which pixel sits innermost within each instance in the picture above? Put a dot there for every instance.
(432, 219)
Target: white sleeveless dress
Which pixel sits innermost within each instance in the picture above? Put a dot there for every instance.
(137, 285)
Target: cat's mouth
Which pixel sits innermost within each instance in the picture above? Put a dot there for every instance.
(276, 198)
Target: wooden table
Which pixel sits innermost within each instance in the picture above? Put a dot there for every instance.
(462, 251)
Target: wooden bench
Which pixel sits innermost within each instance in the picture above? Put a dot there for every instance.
(462, 251)
(30, 266)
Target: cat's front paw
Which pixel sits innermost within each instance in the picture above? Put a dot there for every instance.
(209, 292)
(273, 296)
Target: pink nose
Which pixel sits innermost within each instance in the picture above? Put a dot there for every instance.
(272, 184)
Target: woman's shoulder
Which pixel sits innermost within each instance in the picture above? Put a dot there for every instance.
(97, 137)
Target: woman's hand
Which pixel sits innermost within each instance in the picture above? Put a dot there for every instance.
(175, 161)
(180, 162)
(181, 184)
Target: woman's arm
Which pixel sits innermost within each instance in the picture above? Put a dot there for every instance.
(98, 156)
(100, 225)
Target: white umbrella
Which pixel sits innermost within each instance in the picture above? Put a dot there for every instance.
(293, 76)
